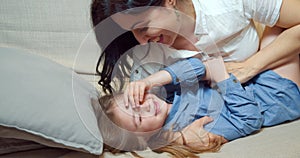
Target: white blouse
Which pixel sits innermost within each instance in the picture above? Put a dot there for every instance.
(229, 23)
(224, 26)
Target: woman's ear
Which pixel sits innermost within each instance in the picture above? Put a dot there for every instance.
(170, 3)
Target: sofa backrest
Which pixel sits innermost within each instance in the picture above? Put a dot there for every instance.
(57, 29)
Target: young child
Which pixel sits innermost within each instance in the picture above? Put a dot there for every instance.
(236, 110)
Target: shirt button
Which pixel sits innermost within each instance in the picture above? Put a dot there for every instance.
(235, 81)
(136, 71)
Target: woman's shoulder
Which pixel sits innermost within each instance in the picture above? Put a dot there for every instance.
(220, 6)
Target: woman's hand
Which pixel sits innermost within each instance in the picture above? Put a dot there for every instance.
(240, 70)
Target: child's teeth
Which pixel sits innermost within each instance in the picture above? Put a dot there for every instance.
(156, 39)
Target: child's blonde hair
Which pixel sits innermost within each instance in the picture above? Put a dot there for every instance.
(118, 140)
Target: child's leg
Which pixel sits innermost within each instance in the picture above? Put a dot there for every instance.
(278, 98)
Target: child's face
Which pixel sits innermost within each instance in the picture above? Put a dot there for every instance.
(149, 117)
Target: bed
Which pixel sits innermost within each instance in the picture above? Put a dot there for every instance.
(50, 44)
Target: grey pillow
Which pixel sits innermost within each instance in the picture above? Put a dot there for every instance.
(48, 100)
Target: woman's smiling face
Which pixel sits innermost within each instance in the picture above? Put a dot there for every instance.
(153, 24)
(149, 117)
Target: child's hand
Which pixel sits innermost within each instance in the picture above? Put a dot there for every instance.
(194, 135)
(134, 93)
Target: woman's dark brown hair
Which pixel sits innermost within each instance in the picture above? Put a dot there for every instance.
(113, 40)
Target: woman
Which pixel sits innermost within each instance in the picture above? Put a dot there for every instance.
(228, 23)
(243, 111)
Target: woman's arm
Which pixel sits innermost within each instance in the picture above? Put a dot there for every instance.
(278, 52)
(289, 14)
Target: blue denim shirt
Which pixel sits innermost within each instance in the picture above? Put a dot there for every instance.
(237, 111)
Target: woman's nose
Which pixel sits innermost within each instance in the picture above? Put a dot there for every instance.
(141, 37)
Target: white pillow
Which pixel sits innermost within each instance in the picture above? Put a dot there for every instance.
(47, 100)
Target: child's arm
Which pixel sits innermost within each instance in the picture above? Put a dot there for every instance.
(241, 114)
(134, 93)
(184, 71)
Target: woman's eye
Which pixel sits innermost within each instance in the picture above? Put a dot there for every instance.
(144, 29)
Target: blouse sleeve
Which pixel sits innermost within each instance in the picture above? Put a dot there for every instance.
(263, 11)
(243, 114)
(186, 71)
